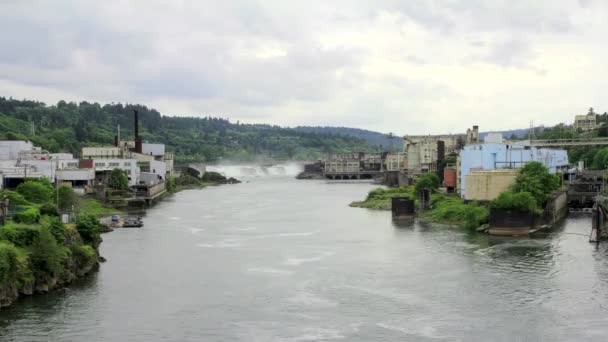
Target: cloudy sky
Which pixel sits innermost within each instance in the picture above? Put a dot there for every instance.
(393, 66)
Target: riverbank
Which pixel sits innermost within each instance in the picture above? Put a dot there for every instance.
(38, 253)
(444, 208)
(38, 258)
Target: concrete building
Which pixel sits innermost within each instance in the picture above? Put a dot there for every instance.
(423, 152)
(109, 152)
(353, 165)
(492, 156)
(586, 122)
(394, 161)
(104, 165)
(493, 138)
(486, 185)
(10, 150)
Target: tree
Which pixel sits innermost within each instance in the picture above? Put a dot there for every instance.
(119, 180)
(427, 181)
(88, 227)
(66, 197)
(535, 178)
(36, 191)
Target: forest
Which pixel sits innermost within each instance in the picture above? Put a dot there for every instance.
(68, 126)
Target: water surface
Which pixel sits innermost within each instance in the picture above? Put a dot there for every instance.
(277, 259)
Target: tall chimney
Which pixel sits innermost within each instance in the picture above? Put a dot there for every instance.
(138, 144)
(136, 124)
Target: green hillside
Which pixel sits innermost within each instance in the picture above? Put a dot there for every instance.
(66, 127)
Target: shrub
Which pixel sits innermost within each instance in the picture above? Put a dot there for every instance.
(84, 256)
(186, 180)
(19, 235)
(14, 197)
(46, 256)
(88, 227)
(30, 215)
(383, 194)
(171, 184)
(211, 176)
(8, 263)
(119, 180)
(429, 181)
(535, 178)
(454, 210)
(56, 227)
(522, 201)
(36, 191)
(49, 209)
(66, 197)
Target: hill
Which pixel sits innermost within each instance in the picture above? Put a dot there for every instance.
(380, 140)
(67, 126)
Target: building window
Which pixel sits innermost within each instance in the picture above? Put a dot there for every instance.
(128, 172)
(114, 164)
(100, 164)
(72, 164)
(127, 164)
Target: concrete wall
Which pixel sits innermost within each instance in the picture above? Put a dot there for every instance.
(511, 221)
(102, 152)
(153, 149)
(557, 208)
(76, 175)
(487, 185)
(10, 149)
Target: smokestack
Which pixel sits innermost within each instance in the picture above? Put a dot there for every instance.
(136, 124)
(138, 145)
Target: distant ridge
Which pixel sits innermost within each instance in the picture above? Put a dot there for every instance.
(371, 137)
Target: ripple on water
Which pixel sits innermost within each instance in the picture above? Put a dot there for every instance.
(269, 270)
(221, 244)
(300, 261)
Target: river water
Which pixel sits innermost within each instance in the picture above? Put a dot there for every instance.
(276, 259)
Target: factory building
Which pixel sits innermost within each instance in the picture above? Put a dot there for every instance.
(494, 156)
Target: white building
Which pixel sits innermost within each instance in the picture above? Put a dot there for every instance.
(108, 164)
(9, 150)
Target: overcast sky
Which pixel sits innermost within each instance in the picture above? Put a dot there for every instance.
(393, 66)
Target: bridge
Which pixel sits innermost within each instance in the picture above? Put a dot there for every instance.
(569, 142)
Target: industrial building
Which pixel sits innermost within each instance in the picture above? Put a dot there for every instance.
(493, 156)
(586, 122)
(424, 152)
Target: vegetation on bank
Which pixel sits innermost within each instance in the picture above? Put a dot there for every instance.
(68, 126)
(39, 256)
(38, 251)
(380, 198)
(451, 209)
(185, 181)
(533, 187)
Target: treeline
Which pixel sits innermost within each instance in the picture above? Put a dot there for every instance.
(595, 157)
(385, 142)
(67, 126)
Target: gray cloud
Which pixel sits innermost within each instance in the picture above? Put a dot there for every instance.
(416, 65)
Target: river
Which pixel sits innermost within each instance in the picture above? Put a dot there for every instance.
(276, 259)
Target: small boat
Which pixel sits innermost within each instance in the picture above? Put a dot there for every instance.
(133, 223)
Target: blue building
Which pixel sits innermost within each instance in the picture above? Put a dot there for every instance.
(492, 156)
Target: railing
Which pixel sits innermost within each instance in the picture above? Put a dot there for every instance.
(568, 142)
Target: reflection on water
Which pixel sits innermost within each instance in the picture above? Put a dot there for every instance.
(276, 259)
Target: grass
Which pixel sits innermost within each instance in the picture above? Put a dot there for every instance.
(94, 207)
(446, 209)
(452, 210)
(380, 198)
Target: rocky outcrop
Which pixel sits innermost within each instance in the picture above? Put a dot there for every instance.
(9, 294)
